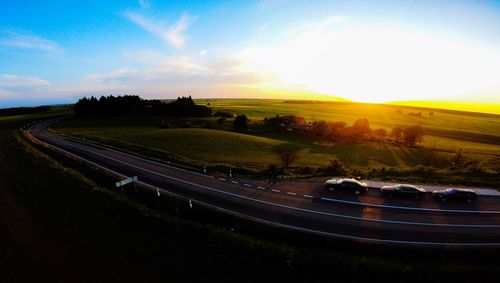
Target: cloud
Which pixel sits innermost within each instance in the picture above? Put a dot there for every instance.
(10, 81)
(164, 76)
(263, 27)
(378, 64)
(144, 4)
(29, 41)
(18, 90)
(174, 35)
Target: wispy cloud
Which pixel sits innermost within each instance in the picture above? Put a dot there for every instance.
(263, 27)
(169, 76)
(13, 87)
(8, 81)
(174, 35)
(28, 41)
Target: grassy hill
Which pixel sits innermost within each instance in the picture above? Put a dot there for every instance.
(447, 131)
(214, 147)
(477, 131)
(65, 222)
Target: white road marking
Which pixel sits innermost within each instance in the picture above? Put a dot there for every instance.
(329, 234)
(410, 208)
(234, 182)
(247, 185)
(276, 191)
(293, 194)
(328, 199)
(297, 208)
(308, 196)
(262, 188)
(134, 156)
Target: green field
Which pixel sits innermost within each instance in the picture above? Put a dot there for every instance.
(223, 147)
(475, 128)
(63, 221)
(477, 134)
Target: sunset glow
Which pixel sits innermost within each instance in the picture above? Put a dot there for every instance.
(365, 52)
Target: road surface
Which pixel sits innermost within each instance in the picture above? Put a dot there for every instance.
(300, 206)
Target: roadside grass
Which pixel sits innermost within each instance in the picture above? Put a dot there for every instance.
(87, 232)
(220, 149)
(255, 150)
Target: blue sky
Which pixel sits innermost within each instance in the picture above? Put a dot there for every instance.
(374, 51)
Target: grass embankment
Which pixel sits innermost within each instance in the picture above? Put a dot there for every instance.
(219, 149)
(214, 147)
(58, 224)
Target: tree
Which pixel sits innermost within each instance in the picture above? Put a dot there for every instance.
(381, 133)
(272, 171)
(319, 129)
(362, 127)
(336, 168)
(164, 125)
(287, 156)
(276, 123)
(134, 105)
(396, 133)
(413, 134)
(457, 158)
(241, 123)
(334, 131)
(221, 121)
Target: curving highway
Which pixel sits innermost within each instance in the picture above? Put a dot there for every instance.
(301, 205)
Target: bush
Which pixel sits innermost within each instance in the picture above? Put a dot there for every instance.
(221, 121)
(164, 125)
(209, 125)
(241, 123)
(336, 167)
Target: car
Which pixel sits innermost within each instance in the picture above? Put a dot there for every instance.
(346, 185)
(455, 194)
(403, 190)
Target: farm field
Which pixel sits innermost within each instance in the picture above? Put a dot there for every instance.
(52, 208)
(480, 128)
(476, 133)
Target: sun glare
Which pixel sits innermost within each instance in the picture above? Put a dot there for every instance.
(378, 65)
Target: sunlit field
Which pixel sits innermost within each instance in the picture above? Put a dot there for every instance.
(476, 134)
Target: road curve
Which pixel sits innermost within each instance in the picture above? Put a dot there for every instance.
(305, 208)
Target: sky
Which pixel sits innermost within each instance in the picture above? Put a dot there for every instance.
(55, 52)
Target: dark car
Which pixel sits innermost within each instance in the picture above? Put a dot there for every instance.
(346, 185)
(455, 194)
(401, 190)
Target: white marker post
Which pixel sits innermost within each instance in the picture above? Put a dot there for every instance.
(204, 169)
(190, 204)
(230, 174)
(158, 192)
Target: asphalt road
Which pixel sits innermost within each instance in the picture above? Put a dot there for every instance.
(304, 206)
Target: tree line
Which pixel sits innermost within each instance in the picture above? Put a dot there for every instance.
(134, 105)
(22, 110)
(340, 131)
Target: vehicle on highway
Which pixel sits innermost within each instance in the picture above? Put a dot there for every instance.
(351, 185)
(455, 194)
(403, 190)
